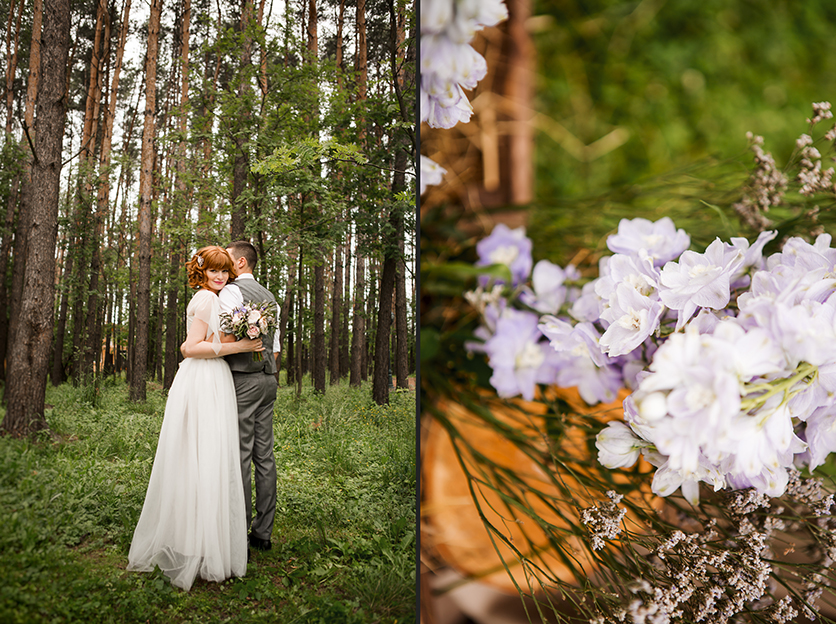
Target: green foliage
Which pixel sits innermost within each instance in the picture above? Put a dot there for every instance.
(674, 87)
(344, 541)
(308, 152)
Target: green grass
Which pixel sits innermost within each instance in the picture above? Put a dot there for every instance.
(343, 544)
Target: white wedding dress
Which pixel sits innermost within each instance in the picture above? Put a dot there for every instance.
(192, 521)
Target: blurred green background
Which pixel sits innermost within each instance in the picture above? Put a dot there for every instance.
(668, 91)
(642, 109)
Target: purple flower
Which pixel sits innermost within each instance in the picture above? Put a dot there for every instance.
(699, 280)
(659, 240)
(509, 247)
(633, 318)
(517, 356)
(548, 293)
(581, 362)
(820, 435)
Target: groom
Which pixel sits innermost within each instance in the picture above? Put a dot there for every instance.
(255, 390)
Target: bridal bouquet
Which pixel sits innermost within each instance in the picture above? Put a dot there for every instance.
(250, 320)
(730, 354)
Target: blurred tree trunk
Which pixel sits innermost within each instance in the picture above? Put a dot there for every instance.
(143, 296)
(318, 347)
(31, 336)
(158, 340)
(285, 331)
(338, 57)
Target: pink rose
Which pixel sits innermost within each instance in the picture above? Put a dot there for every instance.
(253, 331)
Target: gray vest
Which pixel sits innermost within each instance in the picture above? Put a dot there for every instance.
(243, 362)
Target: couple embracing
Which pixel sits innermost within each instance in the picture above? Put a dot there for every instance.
(218, 421)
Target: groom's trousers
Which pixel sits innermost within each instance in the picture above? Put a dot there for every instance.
(256, 394)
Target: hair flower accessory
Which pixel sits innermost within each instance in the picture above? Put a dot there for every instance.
(200, 261)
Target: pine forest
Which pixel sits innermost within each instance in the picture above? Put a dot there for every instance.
(136, 133)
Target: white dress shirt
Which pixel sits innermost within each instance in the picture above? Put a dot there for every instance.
(231, 297)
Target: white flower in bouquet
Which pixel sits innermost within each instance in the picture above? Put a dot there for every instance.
(731, 356)
(449, 64)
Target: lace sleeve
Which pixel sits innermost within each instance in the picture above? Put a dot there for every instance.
(206, 307)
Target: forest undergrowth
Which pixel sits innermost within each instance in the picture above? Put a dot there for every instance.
(343, 544)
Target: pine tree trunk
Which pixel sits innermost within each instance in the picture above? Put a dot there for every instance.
(358, 327)
(11, 62)
(336, 317)
(34, 63)
(32, 335)
(5, 248)
(299, 326)
(158, 340)
(16, 192)
(285, 330)
(319, 357)
(172, 352)
(371, 318)
(382, 355)
(401, 364)
(59, 374)
(338, 57)
(291, 353)
(143, 297)
(345, 336)
(241, 164)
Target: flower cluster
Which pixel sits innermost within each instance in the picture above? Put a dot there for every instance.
(604, 520)
(449, 64)
(730, 355)
(250, 320)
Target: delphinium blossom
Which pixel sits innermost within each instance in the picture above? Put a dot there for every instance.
(449, 64)
(660, 240)
(431, 173)
(730, 355)
(510, 247)
(519, 358)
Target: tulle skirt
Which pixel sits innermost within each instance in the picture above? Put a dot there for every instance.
(192, 521)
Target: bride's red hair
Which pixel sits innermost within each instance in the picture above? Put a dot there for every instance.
(211, 257)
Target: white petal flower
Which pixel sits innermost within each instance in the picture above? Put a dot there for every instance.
(618, 446)
(431, 173)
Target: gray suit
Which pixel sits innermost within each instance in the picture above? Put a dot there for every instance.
(255, 391)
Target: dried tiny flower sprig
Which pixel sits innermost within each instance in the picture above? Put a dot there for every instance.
(604, 520)
(735, 569)
(768, 185)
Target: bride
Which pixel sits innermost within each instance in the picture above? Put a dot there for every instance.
(192, 521)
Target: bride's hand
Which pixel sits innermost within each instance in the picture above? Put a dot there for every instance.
(249, 345)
